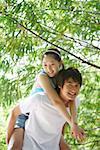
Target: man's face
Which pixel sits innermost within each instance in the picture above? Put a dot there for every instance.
(70, 90)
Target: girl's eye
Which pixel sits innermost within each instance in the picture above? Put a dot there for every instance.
(52, 64)
(45, 65)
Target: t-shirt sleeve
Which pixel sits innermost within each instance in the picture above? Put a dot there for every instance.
(29, 103)
(77, 101)
(26, 104)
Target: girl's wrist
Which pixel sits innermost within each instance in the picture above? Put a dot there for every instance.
(74, 124)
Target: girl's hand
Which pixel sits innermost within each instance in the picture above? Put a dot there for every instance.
(75, 130)
(82, 135)
(78, 133)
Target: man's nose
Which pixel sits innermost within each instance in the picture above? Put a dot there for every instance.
(73, 89)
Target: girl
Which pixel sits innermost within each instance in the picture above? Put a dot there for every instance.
(45, 82)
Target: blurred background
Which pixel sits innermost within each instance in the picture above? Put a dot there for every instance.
(27, 29)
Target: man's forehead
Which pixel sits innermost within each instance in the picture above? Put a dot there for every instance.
(71, 80)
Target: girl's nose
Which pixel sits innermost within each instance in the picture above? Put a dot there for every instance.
(49, 68)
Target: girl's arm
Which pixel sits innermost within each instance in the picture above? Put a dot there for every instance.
(73, 112)
(77, 132)
(53, 96)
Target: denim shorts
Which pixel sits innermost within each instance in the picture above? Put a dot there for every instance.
(20, 121)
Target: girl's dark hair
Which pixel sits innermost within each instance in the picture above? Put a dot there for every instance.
(64, 75)
(55, 53)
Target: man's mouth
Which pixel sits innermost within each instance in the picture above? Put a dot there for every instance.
(71, 94)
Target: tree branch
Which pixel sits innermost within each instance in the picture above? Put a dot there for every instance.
(97, 128)
(82, 60)
(94, 141)
(71, 38)
(72, 10)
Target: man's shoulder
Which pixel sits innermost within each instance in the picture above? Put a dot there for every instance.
(39, 95)
(40, 98)
(77, 101)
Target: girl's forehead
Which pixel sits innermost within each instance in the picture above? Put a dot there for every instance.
(48, 58)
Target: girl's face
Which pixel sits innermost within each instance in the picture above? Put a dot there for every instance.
(70, 90)
(50, 65)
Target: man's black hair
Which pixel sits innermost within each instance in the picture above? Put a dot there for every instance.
(65, 74)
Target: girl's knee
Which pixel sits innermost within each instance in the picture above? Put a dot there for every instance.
(16, 140)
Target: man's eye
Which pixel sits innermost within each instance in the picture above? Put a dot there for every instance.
(76, 85)
(69, 84)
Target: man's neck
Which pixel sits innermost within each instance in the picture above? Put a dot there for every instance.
(65, 101)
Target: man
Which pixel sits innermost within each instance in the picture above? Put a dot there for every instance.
(43, 130)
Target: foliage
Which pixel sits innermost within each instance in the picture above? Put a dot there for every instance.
(30, 27)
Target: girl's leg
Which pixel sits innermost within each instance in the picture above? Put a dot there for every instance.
(18, 133)
(12, 119)
(63, 144)
(16, 140)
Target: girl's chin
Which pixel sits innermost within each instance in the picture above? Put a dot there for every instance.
(51, 75)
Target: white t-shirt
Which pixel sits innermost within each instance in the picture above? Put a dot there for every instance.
(44, 127)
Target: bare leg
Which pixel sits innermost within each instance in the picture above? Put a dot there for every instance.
(12, 119)
(63, 144)
(16, 140)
